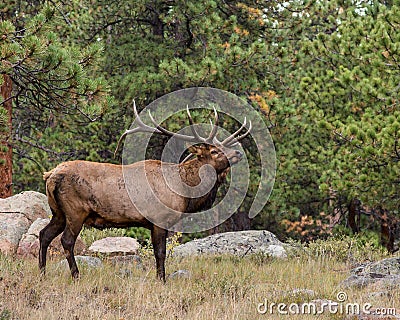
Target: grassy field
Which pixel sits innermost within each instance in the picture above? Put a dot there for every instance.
(218, 288)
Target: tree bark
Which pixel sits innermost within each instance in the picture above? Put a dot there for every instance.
(239, 221)
(6, 168)
(354, 215)
(389, 224)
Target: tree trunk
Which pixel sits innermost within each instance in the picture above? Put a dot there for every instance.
(239, 221)
(389, 226)
(354, 215)
(6, 154)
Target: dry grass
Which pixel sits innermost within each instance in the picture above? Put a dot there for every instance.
(219, 288)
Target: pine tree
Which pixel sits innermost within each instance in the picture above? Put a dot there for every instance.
(5, 129)
(48, 77)
(340, 144)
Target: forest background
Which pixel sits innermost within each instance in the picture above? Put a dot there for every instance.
(325, 75)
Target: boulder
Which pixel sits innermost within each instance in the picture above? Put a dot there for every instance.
(30, 204)
(388, 266)
(16, 215)
(383, 274)
(85, 261)
(115, 246)
(239, 243)
(12, 226)
(29, 245)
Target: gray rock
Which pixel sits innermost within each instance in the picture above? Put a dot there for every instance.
(273, 250)
(389, 266)
(378, 294)
(303, 292)
(16, 215)
(124, 260)
(383, 274)
(87, 261)
(29, 244)
(239, 243)
(31, 204)
(12, 227)
(115, 245)
(180, 274)
(37, 226)
(130, 260)
(356, 281)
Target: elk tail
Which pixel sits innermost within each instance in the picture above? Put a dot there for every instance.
(47, 174)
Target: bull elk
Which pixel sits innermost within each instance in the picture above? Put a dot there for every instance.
(95, 195)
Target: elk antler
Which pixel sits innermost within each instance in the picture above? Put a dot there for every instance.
(233, 138)
(211, 139)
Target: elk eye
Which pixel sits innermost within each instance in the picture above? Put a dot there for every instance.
(214, 151)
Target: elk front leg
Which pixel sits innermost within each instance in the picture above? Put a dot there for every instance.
(159, 241)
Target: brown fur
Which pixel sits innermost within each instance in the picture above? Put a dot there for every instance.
(94, 194)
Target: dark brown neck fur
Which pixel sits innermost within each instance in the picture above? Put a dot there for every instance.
(189, 172)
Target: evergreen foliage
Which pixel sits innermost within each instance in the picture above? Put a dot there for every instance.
(55, 90)
(325, 75)
(345, 112)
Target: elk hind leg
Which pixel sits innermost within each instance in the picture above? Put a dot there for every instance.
(159, 241)
(47, 235)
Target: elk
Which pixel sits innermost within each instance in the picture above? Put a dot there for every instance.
(95, 194)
